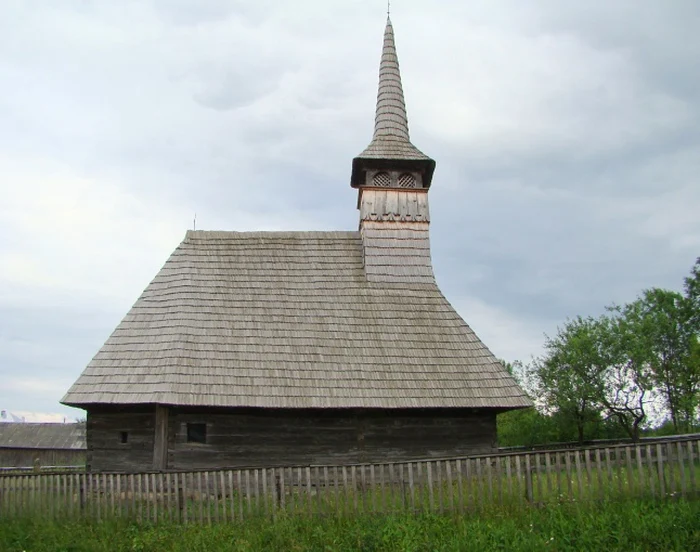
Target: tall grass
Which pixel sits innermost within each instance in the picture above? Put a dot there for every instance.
(627, 525)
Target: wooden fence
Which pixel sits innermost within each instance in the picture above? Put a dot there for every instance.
(660, 470)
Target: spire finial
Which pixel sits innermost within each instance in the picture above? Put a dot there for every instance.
(388, 8)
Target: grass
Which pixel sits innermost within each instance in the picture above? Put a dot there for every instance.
(628, 525)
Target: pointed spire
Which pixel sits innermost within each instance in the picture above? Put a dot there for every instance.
(391, 121)
(391, 141)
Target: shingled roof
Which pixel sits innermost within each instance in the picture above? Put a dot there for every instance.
(290, 320)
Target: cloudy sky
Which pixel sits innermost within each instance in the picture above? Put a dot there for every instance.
(566, 133)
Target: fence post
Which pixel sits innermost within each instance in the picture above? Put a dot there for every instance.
(82, 495)
(528, 480)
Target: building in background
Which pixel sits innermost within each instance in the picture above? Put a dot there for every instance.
(29, 444)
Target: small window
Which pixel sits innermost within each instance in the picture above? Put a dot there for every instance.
(196, 433)
(123, 437)
(407, 180)
(382, 179)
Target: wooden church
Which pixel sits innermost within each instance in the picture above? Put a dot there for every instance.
(298, 348)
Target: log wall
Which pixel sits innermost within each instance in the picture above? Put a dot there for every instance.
(254, 437)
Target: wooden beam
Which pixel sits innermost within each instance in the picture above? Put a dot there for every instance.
(160, 441)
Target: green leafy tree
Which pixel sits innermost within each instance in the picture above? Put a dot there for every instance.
(692, 294)
(661, 321)
(568, 377)
(525, 426)
(626, 387)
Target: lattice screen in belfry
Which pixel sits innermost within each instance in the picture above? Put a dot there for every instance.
(382, 179)
(407, 181)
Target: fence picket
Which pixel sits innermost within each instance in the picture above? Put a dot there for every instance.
(410, 486)
(431, 497)
(460, 496)
(256, 476)
(579, 474)
(263, 480)
(239, 488)
(650, 470)
(538, 475)
(450, 486)
(660, 470)
(528, 479)
(346, 490)
(438, 477)
(681, 464)
(479, 487)
(319, 505)
(691, 464)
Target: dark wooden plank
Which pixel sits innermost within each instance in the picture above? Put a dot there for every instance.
(160, 438)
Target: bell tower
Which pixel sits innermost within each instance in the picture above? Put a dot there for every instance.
(392, 177)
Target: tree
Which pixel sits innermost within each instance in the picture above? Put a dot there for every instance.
(626, 388)
(568, 376)
(661, 322)
(692, 294)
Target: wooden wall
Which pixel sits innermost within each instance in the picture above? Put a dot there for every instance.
(25, 457)
(106, 452)
(254, 437)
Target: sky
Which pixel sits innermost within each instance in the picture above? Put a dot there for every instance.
(566, 135)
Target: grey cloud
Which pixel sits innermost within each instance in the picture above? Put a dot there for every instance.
(566, 136)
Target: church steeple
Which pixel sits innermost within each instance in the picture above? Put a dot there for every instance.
(391, 160)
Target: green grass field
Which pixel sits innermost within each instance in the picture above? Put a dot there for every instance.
(627, 525)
